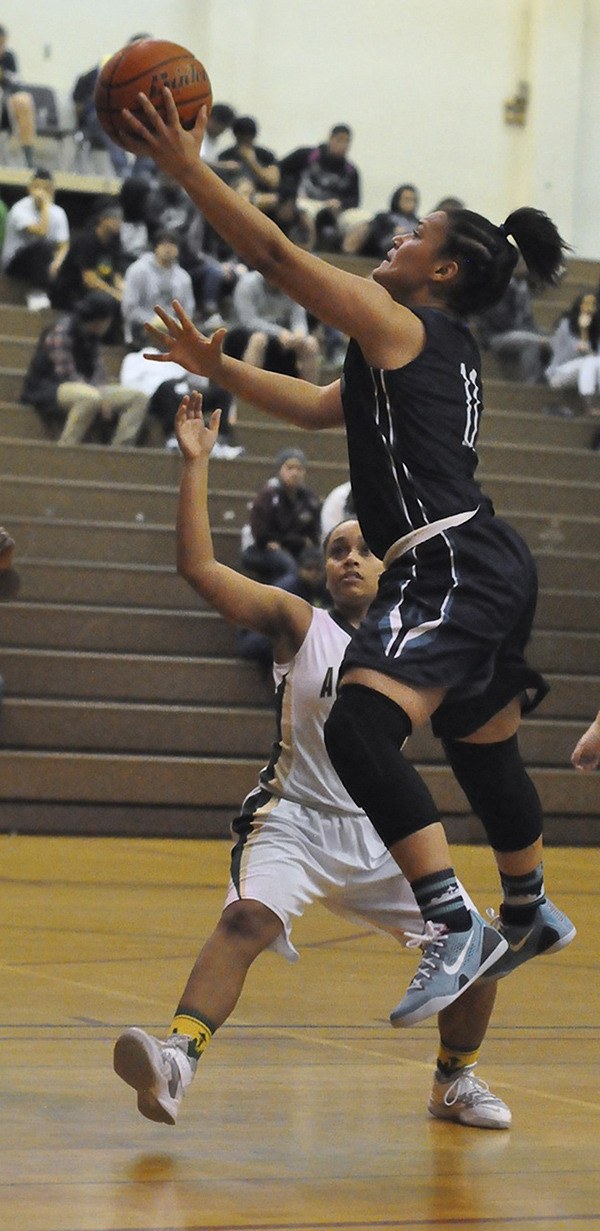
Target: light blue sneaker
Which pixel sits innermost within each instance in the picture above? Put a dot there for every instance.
(451, 962)
(549, 932)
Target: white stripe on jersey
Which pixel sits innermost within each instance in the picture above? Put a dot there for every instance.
(473, 405)
(303, 772)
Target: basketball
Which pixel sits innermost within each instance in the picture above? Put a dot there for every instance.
(142, 67)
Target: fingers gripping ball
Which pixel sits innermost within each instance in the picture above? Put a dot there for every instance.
(142, 67)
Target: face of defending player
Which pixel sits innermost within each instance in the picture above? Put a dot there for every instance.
(414, 271)
(352, 571)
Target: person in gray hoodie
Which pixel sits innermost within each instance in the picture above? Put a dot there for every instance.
(155, 278)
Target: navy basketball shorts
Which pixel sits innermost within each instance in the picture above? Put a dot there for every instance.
(456, 613)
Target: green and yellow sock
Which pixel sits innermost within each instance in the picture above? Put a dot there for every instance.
(198, 1030)
(451, 1060)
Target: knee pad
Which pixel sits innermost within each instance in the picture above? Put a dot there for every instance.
(499, 790)
(363, 736)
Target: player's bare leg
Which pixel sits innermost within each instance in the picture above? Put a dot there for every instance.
(161, 1072)
(457, 1093)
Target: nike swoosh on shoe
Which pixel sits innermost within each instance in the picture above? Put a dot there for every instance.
(519, 944)
(455, 966)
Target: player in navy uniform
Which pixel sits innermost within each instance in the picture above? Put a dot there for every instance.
(444, 640)
(301, 838)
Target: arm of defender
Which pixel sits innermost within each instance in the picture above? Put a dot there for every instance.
(283, 617)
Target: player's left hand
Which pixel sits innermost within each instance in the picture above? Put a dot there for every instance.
(185, 344)
(165, 140)
(194, 437)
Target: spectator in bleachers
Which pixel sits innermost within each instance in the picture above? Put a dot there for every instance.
(285, 517)
(87, 119)
(66, 378)
(37, 235)
(256, 161)
(449, 203)
(219, 122)
(327, 184)
(575, 362)
(164, 385)
(296, 223)
(168, 208)
(94, 262)
(155, 278)
(376, 236)
(509, 331)
(289, 347)
(9, 578)
(133, 197)
(17, 108)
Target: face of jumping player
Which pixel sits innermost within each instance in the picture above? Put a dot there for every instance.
(410, 270)
(352, 571)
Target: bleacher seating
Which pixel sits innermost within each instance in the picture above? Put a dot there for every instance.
(126, 709)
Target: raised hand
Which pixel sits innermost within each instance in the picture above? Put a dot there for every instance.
(193, 436)
(165, 140)
(186, 345)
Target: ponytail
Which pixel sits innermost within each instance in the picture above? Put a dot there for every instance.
(486, 257)
(539, 243)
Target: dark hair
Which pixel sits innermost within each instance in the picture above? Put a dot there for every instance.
(95, 306)
(107, 208)
(166, 237)
(342, 522)
(133, 195)
(137, 38)
(397, 193)
(448, 203)
(41, 173)
(487, 260)
(572, 315)
(223, 113)
(244, 126)
(340, 128)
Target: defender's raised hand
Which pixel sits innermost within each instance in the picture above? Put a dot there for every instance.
(194, 437)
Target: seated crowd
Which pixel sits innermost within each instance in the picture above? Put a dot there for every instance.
(147, 245)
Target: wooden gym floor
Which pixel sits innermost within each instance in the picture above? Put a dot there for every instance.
(308, 1110)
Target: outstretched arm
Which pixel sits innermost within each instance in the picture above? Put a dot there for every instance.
(284, 397)
(389, 335)
(283, 617)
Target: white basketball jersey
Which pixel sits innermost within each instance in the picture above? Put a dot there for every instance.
(300, 768)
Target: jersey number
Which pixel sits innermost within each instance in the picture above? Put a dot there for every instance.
(472, 405)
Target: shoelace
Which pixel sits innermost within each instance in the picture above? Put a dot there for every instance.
(431, 938)
(469, 1089)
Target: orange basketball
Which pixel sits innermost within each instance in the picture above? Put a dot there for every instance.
(141, 67)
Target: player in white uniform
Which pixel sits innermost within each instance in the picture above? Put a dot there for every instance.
(301, 838)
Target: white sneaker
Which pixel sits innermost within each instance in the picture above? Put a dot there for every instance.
(160, 1072)
(467, 1100)
(37, 301)
(226, 452)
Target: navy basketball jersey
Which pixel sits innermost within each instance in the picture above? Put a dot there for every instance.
(412, 433)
